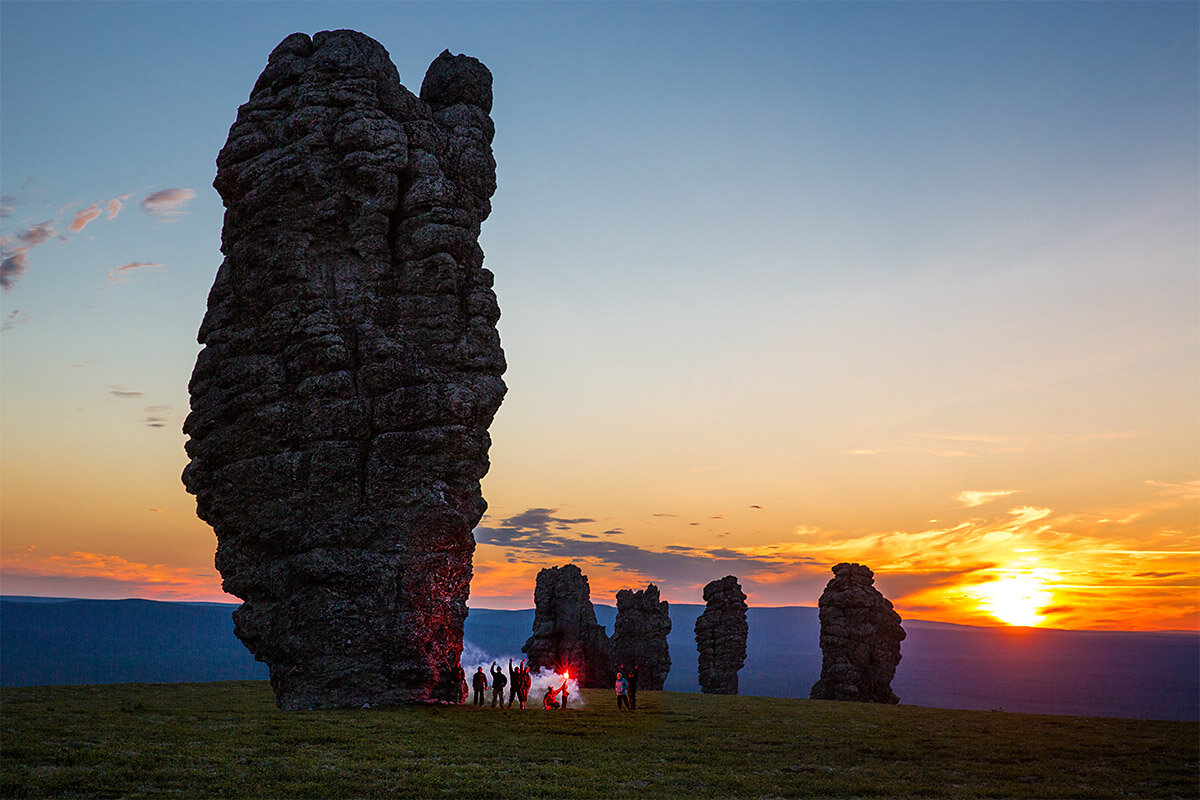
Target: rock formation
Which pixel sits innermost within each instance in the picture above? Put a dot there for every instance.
(640, 636)
(350, 369)
(721, 632)
(860, 639)
(566, 634)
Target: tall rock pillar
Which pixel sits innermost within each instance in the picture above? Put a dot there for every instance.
(640, 636)
(860, 639)
(566, 634)
(721, 632)
(350, 370)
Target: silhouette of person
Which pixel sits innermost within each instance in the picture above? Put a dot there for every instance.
(479, 681)
(631, 680)
(514, 683)
(498, 681)
(463, 691)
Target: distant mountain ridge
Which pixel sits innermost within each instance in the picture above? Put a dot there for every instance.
(1081, 673)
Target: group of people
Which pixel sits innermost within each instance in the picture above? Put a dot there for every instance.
(627, 688)
(518, 681)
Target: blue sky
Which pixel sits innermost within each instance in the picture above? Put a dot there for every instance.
(839, 261)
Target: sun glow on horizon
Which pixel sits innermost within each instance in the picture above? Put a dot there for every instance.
(1016, 599)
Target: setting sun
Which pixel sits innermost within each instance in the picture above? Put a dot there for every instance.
(1016, 600)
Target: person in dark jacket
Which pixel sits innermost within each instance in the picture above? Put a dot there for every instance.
(498, 681)
(462, 680)
(631, 680)
(479, 681)
(514, 683)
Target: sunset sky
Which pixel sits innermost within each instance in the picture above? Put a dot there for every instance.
(915, 285)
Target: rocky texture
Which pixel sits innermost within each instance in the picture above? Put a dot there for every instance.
(566, 634)
(860, 639)
(721, 632)
(350, 370)
(640, 636)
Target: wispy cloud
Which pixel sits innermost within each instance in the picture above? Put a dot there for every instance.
(115, 205)
(123, 393)
(122, 274)
(8, 204)
(14, 251)
(167, 202)
(12, 267)
(157, 416)
(82, 218)
(972, 498)
(14, 318)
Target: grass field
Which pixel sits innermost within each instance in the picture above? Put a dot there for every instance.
(228, 740)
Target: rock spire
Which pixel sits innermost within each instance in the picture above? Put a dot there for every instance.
(860, 639)
(350, 369)
(566, 634)
(640, 636)
(721, 632)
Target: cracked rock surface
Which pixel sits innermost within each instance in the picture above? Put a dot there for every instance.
(566, 634)
(350, 370)
(640, 636)
(721, 631)
(860, 639)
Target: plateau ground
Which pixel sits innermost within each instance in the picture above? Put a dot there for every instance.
(227, 739)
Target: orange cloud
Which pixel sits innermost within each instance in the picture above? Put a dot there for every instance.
(82, 218)
(122, 274)
(112, 573)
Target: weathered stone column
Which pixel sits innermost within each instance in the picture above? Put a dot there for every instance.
(640, 636)
(566, 634)
(721, 632)
(860, 639)
(350, 370)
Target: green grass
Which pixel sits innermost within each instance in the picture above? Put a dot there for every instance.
(228, 740)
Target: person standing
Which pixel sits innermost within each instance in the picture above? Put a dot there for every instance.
(479, 681)
(462, 689)
(563, 689)
(526, 684)
(622, 688)
(498, 681)
(631, 680)
(514, 683)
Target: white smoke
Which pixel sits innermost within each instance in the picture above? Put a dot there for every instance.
(474, 657)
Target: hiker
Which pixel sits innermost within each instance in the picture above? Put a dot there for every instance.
(548, 700)
(514, 683)
(631, 680)
(563, 690)
(480, 683)
(622, 688)
(463, 691)
(498, 681)
(526, 684)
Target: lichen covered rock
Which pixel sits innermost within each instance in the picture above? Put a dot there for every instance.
(721, 632)
(566, 634)
(639, 637)
(860, 639)
(350, 369)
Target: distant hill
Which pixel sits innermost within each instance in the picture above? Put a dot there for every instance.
(1083, 673)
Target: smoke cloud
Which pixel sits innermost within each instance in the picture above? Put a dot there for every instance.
(541, 681)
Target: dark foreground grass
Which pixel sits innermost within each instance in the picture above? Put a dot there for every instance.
(228, 740)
